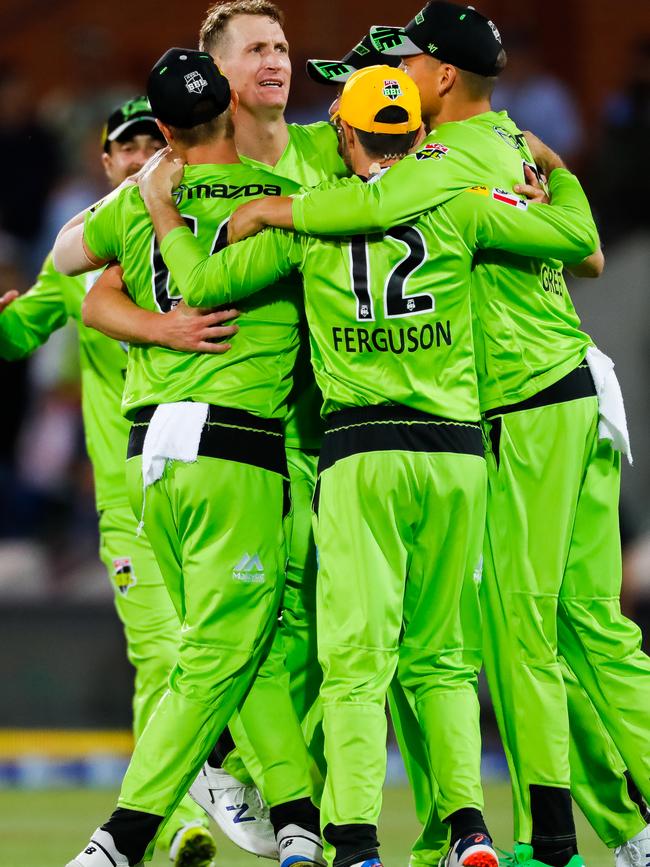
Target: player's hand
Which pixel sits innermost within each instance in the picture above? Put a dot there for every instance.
(545, 158)
(532, 189)
(246, 221)
(7, 298)
(160, 176)
(192, 329)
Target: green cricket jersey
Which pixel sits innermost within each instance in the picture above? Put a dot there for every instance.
(310, 157)
(527, 332)
(256, 374)
(389, 314)
(29, 321)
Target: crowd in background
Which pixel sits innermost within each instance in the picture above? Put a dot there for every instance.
(49, 151)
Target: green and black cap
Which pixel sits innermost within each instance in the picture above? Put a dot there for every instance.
(338, 71)
(133, 117)
(186, 88)
(451, 33)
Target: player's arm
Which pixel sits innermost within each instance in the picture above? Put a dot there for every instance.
(594, 265)
(27, 321)
(109, 309)
(72, 254)
(563, 230)
(591, 267)
(210, 281)
(409, 188)
(235, 272)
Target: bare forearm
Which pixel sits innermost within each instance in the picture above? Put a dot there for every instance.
(277, 212)
(592, 266)
(70, 255)
(111, 311)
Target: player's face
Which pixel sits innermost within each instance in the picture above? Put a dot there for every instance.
(125, 158)
(424, 72)
(254, 56)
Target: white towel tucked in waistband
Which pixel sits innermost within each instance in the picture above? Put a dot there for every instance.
(613, 423)
(174, 434)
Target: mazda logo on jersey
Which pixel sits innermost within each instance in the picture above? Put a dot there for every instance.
(225, 191)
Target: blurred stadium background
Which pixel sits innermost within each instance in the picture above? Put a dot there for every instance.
(579, 75)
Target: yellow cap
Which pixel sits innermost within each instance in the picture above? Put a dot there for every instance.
(369, 90)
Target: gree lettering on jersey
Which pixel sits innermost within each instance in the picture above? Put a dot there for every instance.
(225, 191)
(552, 280)
(394, 340)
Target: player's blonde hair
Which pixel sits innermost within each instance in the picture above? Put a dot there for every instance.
(217, 18)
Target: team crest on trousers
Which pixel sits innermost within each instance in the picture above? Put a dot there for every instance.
(123, 574)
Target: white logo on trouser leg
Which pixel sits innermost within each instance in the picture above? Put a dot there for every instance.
(249, 569)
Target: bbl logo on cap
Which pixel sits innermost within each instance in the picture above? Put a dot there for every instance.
(494, 30)
(392, 89)
(195, 83)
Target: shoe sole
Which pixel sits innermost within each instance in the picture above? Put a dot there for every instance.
(198, 850)
(481, 859)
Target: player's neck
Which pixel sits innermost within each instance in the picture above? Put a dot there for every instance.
(366, 166)
(219, 152)
(262, 137)
(455, 110)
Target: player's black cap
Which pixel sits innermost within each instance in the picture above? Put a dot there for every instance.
(453, 34)
(185, 88)
(338, 71)
(131, 118)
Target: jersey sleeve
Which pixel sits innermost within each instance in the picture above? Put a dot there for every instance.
(564, 230)
(233, 273)
(28, 321)
(414, 185)
(102, 228)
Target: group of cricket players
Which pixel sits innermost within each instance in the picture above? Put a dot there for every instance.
(350, 445)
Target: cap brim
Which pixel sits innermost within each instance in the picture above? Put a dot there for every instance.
(120, 130)
(331, 72)
(393, 41)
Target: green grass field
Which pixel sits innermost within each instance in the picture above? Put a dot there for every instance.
(45, 829)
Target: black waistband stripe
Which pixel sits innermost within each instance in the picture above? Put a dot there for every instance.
(388, 428)
(575, 385)
(229, 434)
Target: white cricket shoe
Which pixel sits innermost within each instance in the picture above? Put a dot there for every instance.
(237, 809)
(299, 848)
(636, 852)
(100, 852)
(475, 850)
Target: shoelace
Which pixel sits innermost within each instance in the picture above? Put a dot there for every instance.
(632, 853)
(243, 797)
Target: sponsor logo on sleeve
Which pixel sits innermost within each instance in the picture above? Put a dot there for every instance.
(124, 575)
(432, 151)
(507, 198)
(480, 190)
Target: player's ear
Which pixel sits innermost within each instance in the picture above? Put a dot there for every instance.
(348, 134)
(447, 75)
(234, 101)
(165, 130)
(107, 163)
